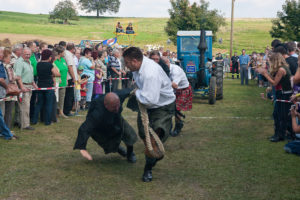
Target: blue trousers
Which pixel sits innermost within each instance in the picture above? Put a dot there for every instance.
(4, 129)
(244, 74)
(45, 101)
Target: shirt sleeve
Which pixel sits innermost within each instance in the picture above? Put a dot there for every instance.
(150, 91)
(18, 68)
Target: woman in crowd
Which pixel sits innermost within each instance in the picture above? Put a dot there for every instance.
(60, 62)
(89, 70)
(45, 73)
(279, 77)
(98, 75)
(12, 79)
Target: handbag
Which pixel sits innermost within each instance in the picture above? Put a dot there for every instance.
(12, 90)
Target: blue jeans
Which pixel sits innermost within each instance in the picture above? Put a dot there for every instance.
(45, 102)
(89, 92)
(244, 74)
(4, 129)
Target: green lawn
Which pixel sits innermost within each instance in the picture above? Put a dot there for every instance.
(251, 34)
(214, 158)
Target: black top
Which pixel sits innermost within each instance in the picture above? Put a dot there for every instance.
(44, 74)
(234, 60)
(103, 126)
(285, 81)
(293, 64)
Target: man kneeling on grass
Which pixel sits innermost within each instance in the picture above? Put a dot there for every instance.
(107, 127)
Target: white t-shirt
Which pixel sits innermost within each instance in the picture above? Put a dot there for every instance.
(178, 76)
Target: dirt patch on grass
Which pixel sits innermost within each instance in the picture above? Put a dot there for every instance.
(16, 38)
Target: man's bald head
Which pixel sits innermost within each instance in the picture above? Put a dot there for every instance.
(112, 102)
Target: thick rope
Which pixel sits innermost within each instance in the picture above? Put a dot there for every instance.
(150, 132)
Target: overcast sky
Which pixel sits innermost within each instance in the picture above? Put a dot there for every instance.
(156, 8)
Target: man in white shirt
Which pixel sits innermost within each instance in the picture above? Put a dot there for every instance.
(72, 77)
(184, 94)
(156, 93)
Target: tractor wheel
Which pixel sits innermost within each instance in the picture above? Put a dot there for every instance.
(212, 90)
(219, 77)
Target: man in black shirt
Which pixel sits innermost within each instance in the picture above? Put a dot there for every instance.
(235, 65)
(107, 127)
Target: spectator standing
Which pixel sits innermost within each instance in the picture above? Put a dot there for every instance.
(235, 65)
(292, 57)
(33, 61)
(71, 77)
(11, 79)
(89, 70)
(226, 64)
(16, 53)
(244, 62)
(115, 68)
(280, 78)
(24, 70)
(45, 73)
(60, 62)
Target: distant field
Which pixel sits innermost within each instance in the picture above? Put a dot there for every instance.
(251, 34)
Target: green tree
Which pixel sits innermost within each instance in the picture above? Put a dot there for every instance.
(100, 6)
(64, 10)
(184, 16)
(287, 24)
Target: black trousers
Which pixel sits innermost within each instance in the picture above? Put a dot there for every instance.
(282, 119)
(33, 101)
(69, 98)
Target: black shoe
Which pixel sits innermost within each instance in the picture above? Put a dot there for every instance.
(122, 151)
(147, 176)
(276, 139)
(131, 157)
(17, 125)
(177, 129)
(29, 128)
(69, 115)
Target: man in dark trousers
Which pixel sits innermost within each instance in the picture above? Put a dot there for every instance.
(107, 127)
(235, 65)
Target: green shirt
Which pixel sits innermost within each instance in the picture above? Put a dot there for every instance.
(63, 69)
(33, 63)
(24, 70)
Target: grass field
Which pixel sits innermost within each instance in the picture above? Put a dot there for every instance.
(222, 153)
(251, 34)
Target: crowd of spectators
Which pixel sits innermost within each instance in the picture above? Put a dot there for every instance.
(58, 81)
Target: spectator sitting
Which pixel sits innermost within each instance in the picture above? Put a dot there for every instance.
(129, 29)
(119, 28)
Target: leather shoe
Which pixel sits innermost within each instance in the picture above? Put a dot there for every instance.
(147, 176)
(29, 128)
(131, 158)
(122, 151)
(276, 139)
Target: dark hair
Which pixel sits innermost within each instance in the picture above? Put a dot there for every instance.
(95, 55)
(29, 44)
(154, 53)
(59, 49)
(281, 48)
(62, 43)
(46, 54)
(133, 53)
(70, 46)
(50, 46)
(100, 53)
(291, 46)
(86, 51)
(275, 43)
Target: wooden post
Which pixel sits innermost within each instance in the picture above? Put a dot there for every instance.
(231, 33)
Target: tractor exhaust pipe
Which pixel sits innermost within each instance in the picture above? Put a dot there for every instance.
(202, 48)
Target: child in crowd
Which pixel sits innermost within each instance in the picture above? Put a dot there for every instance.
(83, 91)
(98, 82)
(78, 84)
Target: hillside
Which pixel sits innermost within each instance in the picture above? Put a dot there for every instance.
(251, 34)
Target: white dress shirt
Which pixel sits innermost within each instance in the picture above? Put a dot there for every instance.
(154, 86)
(178, 76)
